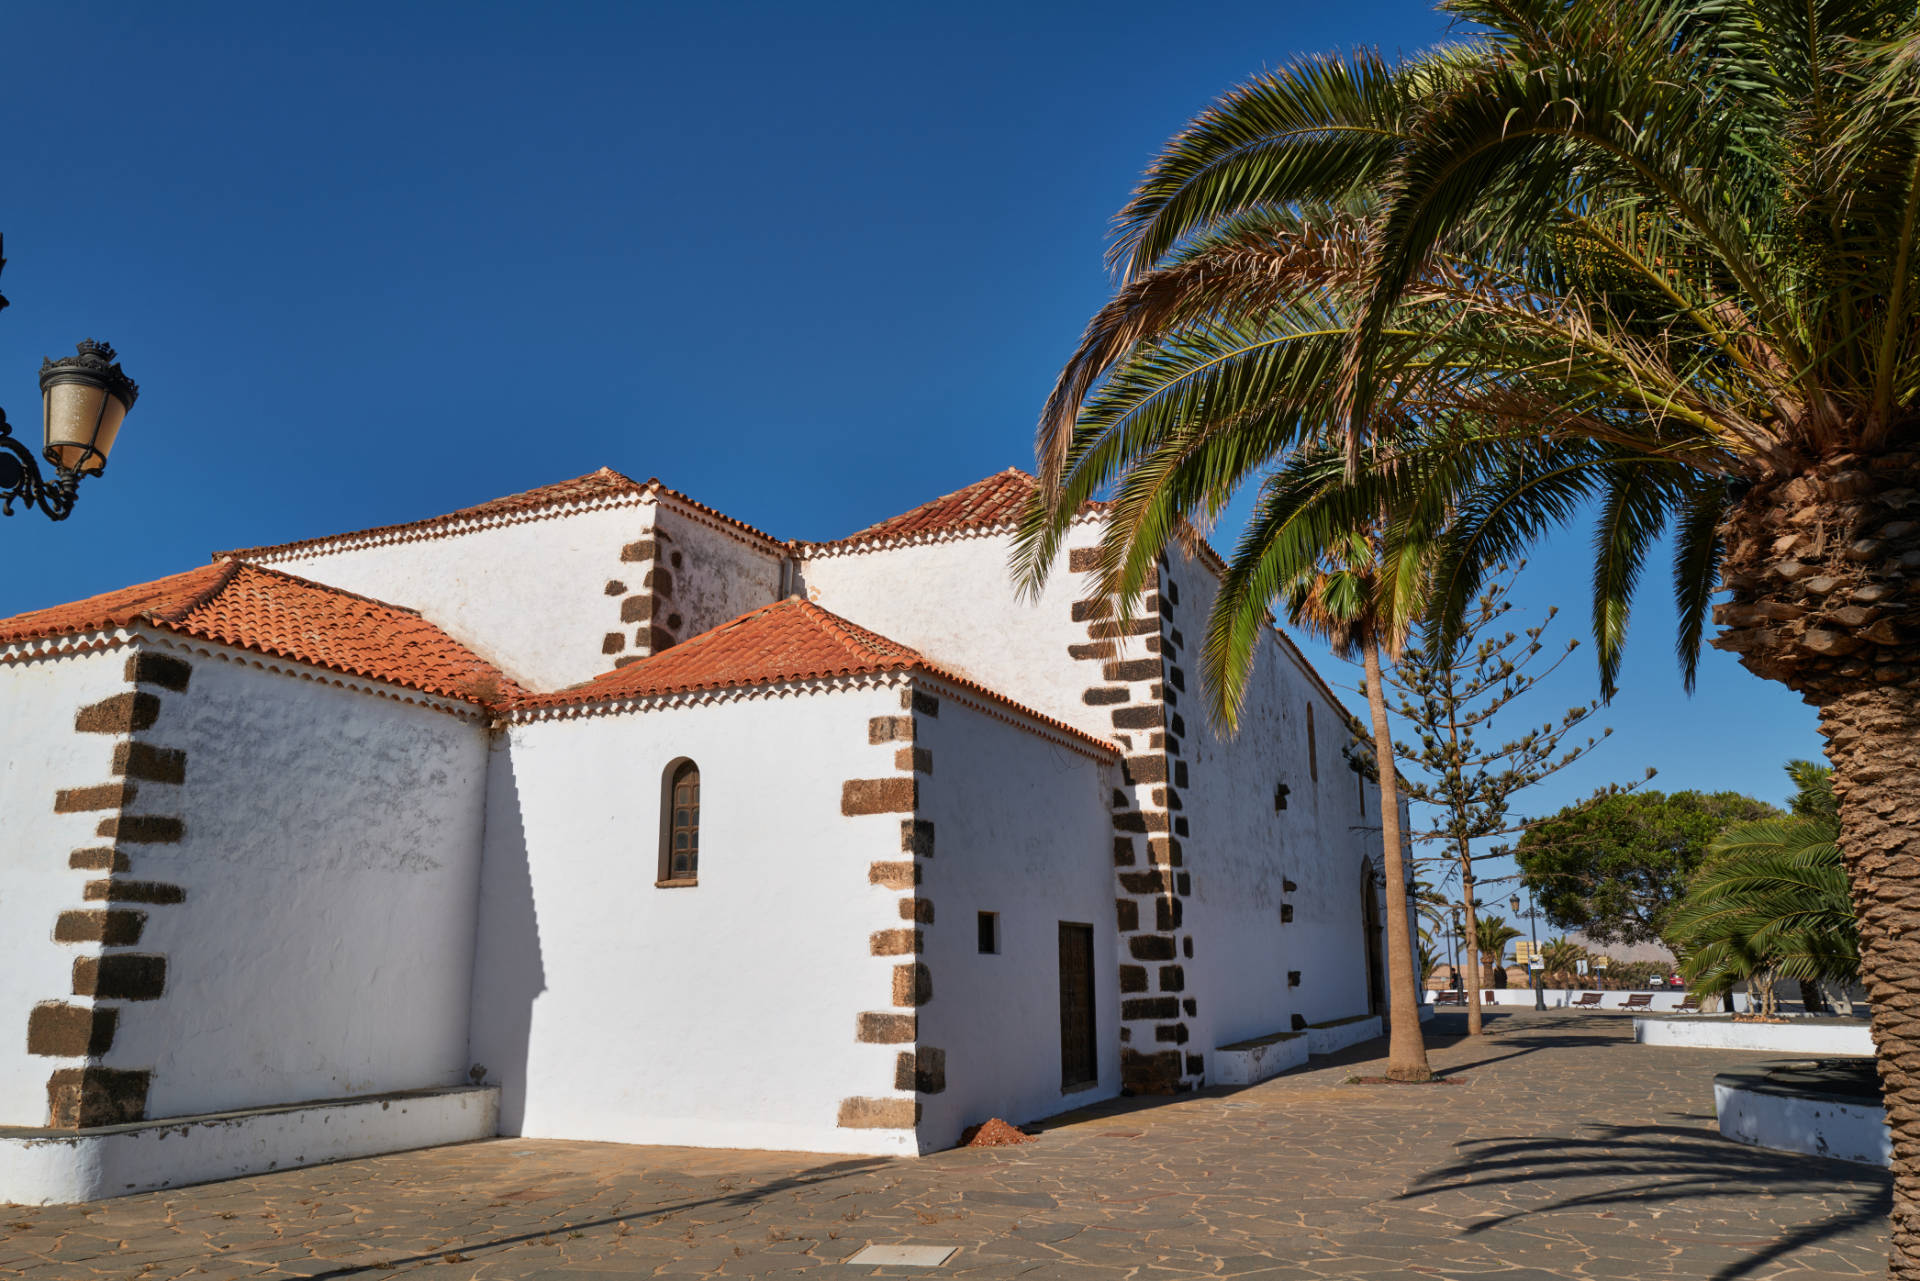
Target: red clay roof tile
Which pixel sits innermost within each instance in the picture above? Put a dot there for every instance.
(593, 487)
(268, 612)
(986, 504)
(789, 640)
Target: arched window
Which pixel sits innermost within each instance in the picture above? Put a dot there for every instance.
(680, 825)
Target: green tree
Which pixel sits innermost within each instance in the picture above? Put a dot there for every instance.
(1449, 696)
(1772, 902)
(1614, 868)
(1490, 936)
(1652, 260)
(1561, 959)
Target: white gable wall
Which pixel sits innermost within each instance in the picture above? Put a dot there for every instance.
(954, 602)
(40, 755)
(721, 573)
(530, 597)
(1020, 829)
(722, 1014)
(330, 863)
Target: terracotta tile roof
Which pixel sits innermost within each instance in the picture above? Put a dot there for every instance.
(789, 640)
(268, 612)
(600, 486)
(986, 504)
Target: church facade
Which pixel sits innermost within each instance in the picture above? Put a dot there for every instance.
(660, 829)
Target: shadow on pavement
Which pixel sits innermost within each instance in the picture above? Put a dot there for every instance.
(806, 1178)
(1641, 1164)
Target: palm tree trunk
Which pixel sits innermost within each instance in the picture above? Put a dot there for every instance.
(1821, 569)
(1406, 1046)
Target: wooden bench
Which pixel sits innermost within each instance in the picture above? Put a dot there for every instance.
(1639, 1001)
(1450, 998)
(1587, 1001)
(1689, 1006)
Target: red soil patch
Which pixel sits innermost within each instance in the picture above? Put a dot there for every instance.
(994, 1134)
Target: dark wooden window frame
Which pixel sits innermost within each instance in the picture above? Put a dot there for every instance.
(1089, 1076)
(678, 772)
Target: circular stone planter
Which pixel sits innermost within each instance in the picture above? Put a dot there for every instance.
(1821, 1107)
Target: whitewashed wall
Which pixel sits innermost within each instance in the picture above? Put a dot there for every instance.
(40, 754)
(1242, 850)
(530, 598)
(1021, 828)
(724, 1014)
(331, 869)
(721, 575)
(955, 603)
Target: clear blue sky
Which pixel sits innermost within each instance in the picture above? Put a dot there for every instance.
(812, 264)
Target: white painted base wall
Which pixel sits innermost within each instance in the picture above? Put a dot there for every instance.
(1338, 1036)
(1251, 1062)
(48, 1167)
(1817, 1127)
(1802, 1036)
(1559, 998)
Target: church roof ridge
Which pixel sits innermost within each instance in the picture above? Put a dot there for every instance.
(268, 611)
(604, 486)
(786, 641)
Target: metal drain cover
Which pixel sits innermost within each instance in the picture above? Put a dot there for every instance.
(904, 1256)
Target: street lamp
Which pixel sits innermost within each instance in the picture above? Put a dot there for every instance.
(83, 400)
(1534, 964)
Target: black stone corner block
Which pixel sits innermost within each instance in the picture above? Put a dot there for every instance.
(148, 668)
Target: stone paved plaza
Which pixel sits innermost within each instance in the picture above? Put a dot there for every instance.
(1567, 1151)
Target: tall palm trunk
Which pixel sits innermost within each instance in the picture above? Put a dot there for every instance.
(1406, 1046)
(1821, 567)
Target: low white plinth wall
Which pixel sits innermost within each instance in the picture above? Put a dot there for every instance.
(1251, 1062)
(1720, 1032)
(1325, 1038)
(58, 1167)
(1559, 997)
(1816, 1125)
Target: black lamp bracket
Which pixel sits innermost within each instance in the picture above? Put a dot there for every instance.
(21, 481)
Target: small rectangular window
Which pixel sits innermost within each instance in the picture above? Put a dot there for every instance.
(989, 933)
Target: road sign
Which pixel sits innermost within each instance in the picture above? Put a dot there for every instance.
(1522, 953)
(1581, 966)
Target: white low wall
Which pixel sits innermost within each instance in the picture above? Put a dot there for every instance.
(1720, 1032)
(1325, 1038)
(52, 1167)
(1816, 1126)
(1251, 1062)
(1558, 998)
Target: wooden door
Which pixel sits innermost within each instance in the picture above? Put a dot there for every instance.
(1079, 1057)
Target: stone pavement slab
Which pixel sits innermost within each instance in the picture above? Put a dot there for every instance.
(1568, 1153)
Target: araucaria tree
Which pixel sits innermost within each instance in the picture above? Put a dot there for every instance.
(1448, 697)
(1666, 247)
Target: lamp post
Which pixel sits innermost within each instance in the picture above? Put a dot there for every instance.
(1533, 953)
(83, 400)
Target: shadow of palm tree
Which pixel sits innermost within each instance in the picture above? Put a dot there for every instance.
(1641, 1165)
(773, 1187)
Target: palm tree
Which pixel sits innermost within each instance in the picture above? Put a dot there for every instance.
(1491, 935)
(1653, 258)
(1339, 599)
(1561, 959)
(1771, 903)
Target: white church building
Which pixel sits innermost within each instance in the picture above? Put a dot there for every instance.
(594, 813)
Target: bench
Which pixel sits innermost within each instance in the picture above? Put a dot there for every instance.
(1588, 1001)
(1639, 1001)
